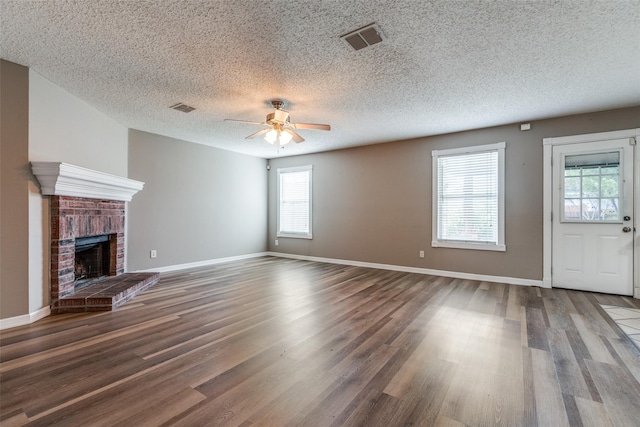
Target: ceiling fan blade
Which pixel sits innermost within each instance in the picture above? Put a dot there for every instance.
(246, 121)
(315, 126)
(256, 134)
(295, 136)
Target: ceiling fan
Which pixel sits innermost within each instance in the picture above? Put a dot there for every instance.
(280, 129)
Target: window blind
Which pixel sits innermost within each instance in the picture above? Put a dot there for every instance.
(294, 202)
(468, 197)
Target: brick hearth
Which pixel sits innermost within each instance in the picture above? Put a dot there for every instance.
(107, 294)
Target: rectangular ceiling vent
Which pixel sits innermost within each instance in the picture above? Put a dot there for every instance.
(182, 107)
(363, 37)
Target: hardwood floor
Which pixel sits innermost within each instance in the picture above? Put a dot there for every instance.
(274, 342)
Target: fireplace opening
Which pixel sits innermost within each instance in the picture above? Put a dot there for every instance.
(92, 259)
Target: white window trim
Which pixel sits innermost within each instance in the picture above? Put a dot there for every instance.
(289, 234)
(500, 245)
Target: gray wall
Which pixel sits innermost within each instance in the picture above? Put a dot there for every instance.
(198, 203)
(14, 189)
(373, 203)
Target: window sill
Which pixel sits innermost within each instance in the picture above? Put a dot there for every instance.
(295, 236)
(469, 245)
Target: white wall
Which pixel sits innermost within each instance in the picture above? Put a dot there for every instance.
(63, 128)
(66, 129)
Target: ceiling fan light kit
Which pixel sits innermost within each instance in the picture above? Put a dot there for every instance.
(281, 130)
(281, 137)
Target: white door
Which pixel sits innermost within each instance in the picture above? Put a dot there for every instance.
(593, 221)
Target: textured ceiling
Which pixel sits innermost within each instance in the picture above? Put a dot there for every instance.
(444, 66)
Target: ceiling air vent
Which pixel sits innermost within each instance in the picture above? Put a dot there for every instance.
(182, 107)
(363, 37)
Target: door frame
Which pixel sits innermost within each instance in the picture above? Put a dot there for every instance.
(547, 200)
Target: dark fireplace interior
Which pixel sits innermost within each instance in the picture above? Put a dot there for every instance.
(91, 259)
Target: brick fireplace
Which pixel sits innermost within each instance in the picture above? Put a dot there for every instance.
(75, 217)
(88, 204)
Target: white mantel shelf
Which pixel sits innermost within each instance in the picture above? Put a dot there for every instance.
(63, 179)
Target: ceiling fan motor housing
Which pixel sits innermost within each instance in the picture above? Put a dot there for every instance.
(278, 116)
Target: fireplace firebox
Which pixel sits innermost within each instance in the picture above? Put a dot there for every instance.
(92, 259)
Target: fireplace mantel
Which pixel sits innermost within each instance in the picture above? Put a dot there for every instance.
(63, 179)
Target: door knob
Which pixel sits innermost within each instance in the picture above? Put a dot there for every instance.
(626, 229)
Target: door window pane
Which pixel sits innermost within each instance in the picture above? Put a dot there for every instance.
(610, 187)
(572, 187)
(592, 187)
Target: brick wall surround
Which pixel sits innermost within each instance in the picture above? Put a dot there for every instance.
(73, 217)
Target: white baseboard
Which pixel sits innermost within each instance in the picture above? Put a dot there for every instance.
(453, 274)
(25, 319)
(205, 263)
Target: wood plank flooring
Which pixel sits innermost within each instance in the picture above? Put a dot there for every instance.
(275, 342)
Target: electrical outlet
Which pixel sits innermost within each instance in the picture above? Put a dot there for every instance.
(276, 242)
(421, 254)
(153, 253)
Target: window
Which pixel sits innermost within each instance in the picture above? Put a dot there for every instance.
(468, 197)
(294, 202)
(591, 187)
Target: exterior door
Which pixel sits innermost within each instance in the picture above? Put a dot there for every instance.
(592, 237)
